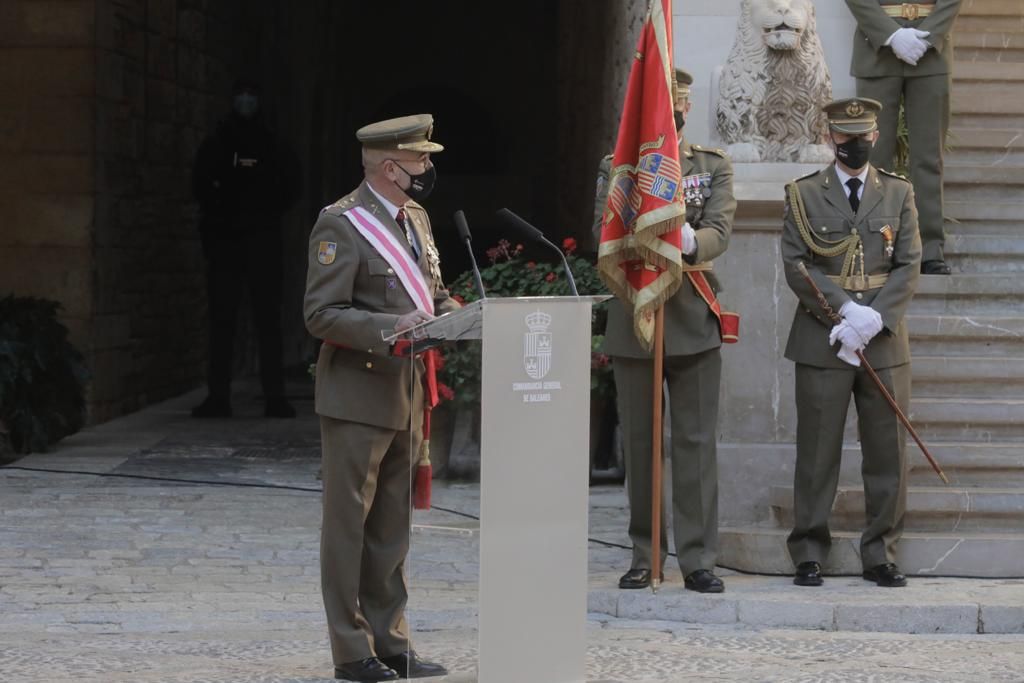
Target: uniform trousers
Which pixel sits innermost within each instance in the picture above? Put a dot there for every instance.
(364, 539)
(249, 264)
(926, 101)
(822, 402)
(693, 383)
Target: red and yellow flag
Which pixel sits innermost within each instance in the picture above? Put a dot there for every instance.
(640, 256)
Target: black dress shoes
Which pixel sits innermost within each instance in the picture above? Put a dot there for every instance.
(409, 665)
(887, 575)
(278, 407)
(808, 574)
(704, 581)
(213, 407)
(636, 578)
(935, 267)
(366, 670)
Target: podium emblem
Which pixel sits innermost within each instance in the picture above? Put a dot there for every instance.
(537, 345)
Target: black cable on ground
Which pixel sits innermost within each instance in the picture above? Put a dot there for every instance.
(284, 487)
(207, 482)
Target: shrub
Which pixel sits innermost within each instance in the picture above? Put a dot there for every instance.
(42, 376)
(509, 275)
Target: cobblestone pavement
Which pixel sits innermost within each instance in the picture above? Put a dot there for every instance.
(124, 578)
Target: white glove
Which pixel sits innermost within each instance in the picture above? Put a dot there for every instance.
(848, 336)
(847, 355)
(689, 240)
(864, 319)
(908, 44)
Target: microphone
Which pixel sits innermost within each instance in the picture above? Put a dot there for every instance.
(463, 230)
(533, 233)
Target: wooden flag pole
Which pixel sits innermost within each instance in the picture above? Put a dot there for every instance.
(656, 443)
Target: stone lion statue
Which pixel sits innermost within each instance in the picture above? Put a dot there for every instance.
(774, 84)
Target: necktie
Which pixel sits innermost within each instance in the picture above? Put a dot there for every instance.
(409, 235)
(854, 185)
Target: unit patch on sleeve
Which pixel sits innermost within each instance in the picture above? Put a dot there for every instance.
(328, 250)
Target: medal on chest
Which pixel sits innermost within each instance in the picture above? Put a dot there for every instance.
(696, 189)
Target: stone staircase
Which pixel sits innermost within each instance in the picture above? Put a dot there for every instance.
(967, 333)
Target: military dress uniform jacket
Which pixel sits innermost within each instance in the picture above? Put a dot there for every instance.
(350, 301)
(887, 200)
(872, 59)
(690, 326)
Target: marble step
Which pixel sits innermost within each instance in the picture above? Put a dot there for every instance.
(988, 211)
(846, 604)
(967, 463)
(985, 253)
(986, 98)
(968, 377)
(991, 8)
(982, 420)
(1007, 23)
(762, 549)
(967, 334)
(968, 225)
(1001, 175)
(929, 508)
(994, 139)
(1003, 73)
(991, 42)
(968, 295)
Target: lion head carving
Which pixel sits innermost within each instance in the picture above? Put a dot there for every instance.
(773, 87)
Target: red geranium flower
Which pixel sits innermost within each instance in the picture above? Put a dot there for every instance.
(569, 245)
(550, 277)
(531, 265)
(458, 297)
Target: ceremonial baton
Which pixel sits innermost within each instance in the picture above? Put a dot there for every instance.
(836, 318)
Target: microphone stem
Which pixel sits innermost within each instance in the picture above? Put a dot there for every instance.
(476, 272)
(565, 262)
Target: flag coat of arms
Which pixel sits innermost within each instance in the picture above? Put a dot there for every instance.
(640, 256)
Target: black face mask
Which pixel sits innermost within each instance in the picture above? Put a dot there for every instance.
(680, 119)
(854, 153)
(420, 185)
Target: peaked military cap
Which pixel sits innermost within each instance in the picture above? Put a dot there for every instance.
(683, 82)
(853, 116)
(406, 132)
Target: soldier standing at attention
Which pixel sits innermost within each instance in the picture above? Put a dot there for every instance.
(693, 368)
(855, 229)
(373, 271)
(907, 49)
(244, 179)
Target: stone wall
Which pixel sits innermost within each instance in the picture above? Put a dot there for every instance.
(162, 72)
(596, 41)
(47, 175)
(103, 106)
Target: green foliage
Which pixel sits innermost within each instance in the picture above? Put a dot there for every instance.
(42, 376)
(509, 275)
(902, 162)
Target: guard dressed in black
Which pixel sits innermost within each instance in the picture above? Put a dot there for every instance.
(244, 181)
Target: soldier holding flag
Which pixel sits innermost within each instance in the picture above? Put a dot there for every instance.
(667, 216)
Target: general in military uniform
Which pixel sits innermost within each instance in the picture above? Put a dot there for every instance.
(373, 270)
(854, 227)
(906, 49)
(693, 368)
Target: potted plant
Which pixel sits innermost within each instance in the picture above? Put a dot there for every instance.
(510, 274)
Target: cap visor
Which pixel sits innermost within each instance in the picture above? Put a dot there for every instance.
(853, 128)
(424, 146)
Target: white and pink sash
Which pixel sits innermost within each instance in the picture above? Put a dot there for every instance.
(396, 254)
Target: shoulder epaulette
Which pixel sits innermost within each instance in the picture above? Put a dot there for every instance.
(341, 206)
(710, 150)
(807, 175)
(892, 174)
